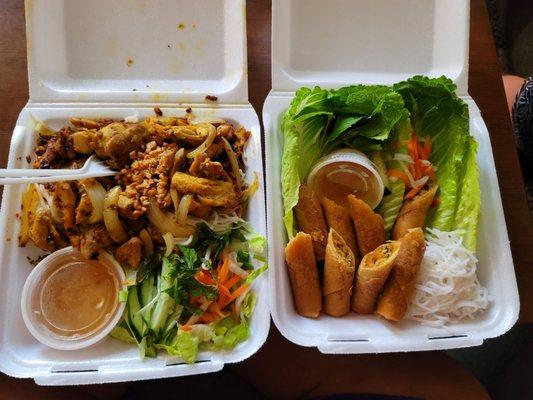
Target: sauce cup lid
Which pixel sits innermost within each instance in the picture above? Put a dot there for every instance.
(39, 331)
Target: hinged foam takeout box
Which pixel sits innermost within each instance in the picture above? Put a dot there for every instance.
(336, 43)
(116, 59)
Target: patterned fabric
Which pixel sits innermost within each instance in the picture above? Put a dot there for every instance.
(523, 118)
(523, 130)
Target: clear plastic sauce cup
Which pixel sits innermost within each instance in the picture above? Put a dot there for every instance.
(344, 172)
(69, 302)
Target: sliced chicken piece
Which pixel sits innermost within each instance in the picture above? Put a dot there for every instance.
(117, 140)
(130, 253)
(93, 239)
(84, 210)
(64, 200)
(81, 141)
(212, 193)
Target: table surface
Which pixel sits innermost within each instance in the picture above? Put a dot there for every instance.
(484, 82)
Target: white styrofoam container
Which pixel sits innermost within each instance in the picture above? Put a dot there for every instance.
(341, 42)
(78, 53)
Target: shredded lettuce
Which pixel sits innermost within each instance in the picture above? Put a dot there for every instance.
(122, 334)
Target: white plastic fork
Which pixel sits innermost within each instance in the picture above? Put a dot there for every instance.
(93, 168)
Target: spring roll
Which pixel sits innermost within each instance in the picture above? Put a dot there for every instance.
(400, 286)
(338, 218)
(413, 213)
(303, 274)
(371, 276)
(369, 226)
(310, 219)
(339, 270)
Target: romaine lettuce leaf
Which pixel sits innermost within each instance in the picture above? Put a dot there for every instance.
(363, 118)
(437, 112)
(469, 204)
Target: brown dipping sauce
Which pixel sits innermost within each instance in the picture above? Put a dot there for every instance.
(77, 297)
(339, 179)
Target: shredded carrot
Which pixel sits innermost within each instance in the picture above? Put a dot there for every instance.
(413, 192)
(216, 309)
(222, 300)
(223, 273)
(186, 328)
(239, 291)
(224, 290)
(429, 171)
(204, 277)
(229, 283)
(396, 173)
(208, 317)
(234, 309)
(435, 203)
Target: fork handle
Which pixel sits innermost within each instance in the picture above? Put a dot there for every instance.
(19, 173)
(46, 179)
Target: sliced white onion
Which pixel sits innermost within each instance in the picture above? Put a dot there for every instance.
(408, 173)
(183, 241)
(426, 163)
(96, 193)
(148, 244)
(240, 299)
(175, 196)
(235, 266)
(421, 182)
(183, 209)
(403, 157)
(232, 157)
(46, 198)
(208, 141)
(207, 120)
(164, 222)
(169, 243)
(195, 317)
(110, 214)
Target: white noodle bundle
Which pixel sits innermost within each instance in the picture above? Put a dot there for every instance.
(448, 289)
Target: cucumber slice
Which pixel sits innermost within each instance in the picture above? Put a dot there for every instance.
(146, 293)
(135, 320)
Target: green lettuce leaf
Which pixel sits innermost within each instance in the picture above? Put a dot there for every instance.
(469, 204)
(363, 117)
(184, 345)
(437, 112)
(390, 204)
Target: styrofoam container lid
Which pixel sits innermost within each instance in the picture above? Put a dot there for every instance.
(142, 51)
(343, 42)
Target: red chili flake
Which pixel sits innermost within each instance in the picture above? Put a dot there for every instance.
(158, 111)
(211, 98)
(188, 110)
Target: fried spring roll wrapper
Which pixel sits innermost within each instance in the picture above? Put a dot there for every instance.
(371, 276)
(339, 270)
(413, 213)
(310, 219)
(338, 218)
(303, 274)
(399, 289)
(369, 226)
